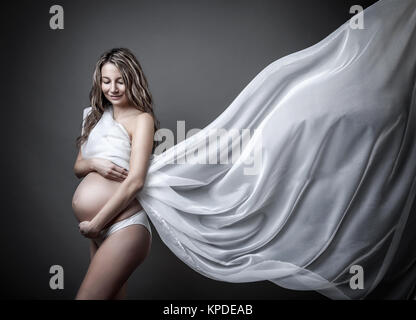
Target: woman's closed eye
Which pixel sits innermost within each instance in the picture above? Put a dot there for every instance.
(117, 82)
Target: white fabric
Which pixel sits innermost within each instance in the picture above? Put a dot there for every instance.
(337, 176)
(108, 140)
(139, 217)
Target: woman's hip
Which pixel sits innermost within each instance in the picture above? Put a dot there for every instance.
(137, 218)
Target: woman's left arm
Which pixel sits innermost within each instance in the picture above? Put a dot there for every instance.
(141, 148)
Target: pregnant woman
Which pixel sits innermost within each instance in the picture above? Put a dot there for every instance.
(120, 119)
(331, 204)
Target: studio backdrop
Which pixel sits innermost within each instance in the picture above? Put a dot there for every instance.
(204, 61)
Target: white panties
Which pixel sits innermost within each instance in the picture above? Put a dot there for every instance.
(139, 217)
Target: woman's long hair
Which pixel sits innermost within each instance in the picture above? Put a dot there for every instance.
(137, 89)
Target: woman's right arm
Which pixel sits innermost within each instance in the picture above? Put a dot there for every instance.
(83, 166)
(104, 167)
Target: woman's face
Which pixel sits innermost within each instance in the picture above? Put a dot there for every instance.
(112, 84)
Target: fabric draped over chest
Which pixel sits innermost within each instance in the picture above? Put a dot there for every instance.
(108, 140)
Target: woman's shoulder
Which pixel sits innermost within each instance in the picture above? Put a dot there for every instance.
(140, 116)
(145, 115)
(144, 119)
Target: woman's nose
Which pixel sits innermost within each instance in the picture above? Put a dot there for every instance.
(113, 87)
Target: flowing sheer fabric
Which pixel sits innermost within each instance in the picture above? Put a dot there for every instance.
(326, 178)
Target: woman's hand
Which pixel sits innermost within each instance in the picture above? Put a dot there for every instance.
(109, 170)
(88, 229)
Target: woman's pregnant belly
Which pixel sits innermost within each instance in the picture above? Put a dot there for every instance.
(92, 194)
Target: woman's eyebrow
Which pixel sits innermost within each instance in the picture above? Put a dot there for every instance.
(109, 78)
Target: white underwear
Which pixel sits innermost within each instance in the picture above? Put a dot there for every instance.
(139, 217)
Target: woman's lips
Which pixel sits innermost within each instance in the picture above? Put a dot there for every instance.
(115, 97)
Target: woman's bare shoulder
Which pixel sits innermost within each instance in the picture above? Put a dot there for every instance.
(143, 119)
(138, 120)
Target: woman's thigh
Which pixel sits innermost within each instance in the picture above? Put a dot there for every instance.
(114, 261)
(93, 249)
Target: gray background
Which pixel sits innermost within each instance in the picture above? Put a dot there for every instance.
(197, 56)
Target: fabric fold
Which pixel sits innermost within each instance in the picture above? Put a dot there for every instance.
(337, 165)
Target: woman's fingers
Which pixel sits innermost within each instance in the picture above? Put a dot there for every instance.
(117, 176)
(121, 170)
(122, 174)
(117, 173)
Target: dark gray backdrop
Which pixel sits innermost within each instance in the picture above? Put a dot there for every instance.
(197, 56)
